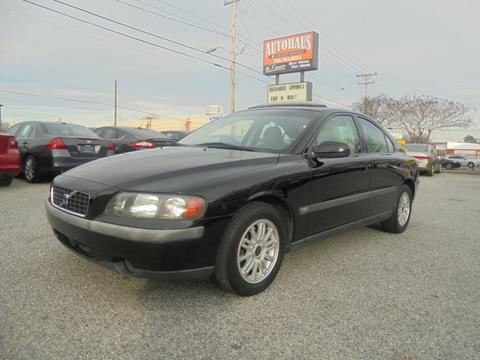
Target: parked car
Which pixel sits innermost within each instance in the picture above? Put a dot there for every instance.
(426, 156)
(128, 139)
(232, 209)
(51, 148)
(464, 160)
(9, 159)
(448, 164)
(175, 134)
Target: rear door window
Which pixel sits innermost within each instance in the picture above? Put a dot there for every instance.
(390, 146)
(60, 129)
(13, 130)
(109, 133)
(25, 131)
(375, 139)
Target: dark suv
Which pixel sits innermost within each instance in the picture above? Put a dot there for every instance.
(235, 195)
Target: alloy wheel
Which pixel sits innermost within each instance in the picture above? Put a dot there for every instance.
(29, 169)
(403, 210)
(258, 251)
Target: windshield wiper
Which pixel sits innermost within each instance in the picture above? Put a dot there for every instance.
(222, 145)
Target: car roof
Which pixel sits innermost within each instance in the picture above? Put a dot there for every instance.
(301, 104)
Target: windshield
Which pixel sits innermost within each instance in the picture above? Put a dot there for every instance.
(416, 147)
(271, 130)
(61, 129)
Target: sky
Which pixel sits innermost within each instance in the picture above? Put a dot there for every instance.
(417, 47)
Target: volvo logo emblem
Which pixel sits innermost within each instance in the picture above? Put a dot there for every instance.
(66, 198)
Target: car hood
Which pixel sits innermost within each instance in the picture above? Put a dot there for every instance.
(171, 169)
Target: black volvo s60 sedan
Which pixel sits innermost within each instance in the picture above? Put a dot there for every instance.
(235, 196)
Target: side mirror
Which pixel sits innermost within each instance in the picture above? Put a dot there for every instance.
(331, 149)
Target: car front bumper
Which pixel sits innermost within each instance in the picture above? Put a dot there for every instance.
(146, 253)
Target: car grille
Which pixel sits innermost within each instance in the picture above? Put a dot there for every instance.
(72, 201)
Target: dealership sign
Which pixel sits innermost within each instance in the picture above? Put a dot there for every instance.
(293, 92)
(294, 53)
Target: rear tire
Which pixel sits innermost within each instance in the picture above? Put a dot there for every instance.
(251, 251)
(398, 222)
(30, 169)
(430, 172)
(6, 180)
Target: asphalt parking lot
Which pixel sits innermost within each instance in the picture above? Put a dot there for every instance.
(363, 294)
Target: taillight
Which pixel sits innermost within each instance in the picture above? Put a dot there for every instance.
(13, 144)
(111, 147)
(143, 145)
(56, 144)
(421, 157)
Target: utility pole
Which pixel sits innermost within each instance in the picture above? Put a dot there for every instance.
(1, 116)
(233, 64)
(367, 80)
(115, 107)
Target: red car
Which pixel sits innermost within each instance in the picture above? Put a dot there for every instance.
(10, 164)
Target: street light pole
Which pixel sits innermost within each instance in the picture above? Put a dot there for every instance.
(1, 115)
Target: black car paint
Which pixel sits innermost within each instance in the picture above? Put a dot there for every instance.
(356, 190)
(56, 161)
(125, 137)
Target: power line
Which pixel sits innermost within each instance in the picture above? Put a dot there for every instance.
(51, 97)
(141, 40)
(204, 20)
(323, 33)
(180, 21)
(329, 52)
(154, 35)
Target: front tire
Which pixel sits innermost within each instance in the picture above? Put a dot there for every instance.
(449, 166)
(471, 165)
(251, 251)
(400, 218)
(6, 180)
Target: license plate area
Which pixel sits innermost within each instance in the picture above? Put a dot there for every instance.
(88, 148)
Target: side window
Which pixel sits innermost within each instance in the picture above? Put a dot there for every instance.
(374, 137)
(340, 128)
(109, 133)
(390, 146)
(13, 129)
(25, 132)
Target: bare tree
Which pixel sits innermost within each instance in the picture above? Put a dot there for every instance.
(417, 116)
(378, 108)
(469, 139)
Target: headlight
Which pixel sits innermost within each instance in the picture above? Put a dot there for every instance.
(151, 206)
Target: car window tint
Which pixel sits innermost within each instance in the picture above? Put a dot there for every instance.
(143, 133)
(340, 128)
(272, 130)
(109, 133)
(25, 132)
(232, 133)
(61, 129)
(13, 129)
(390, 146)
(374, 137)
